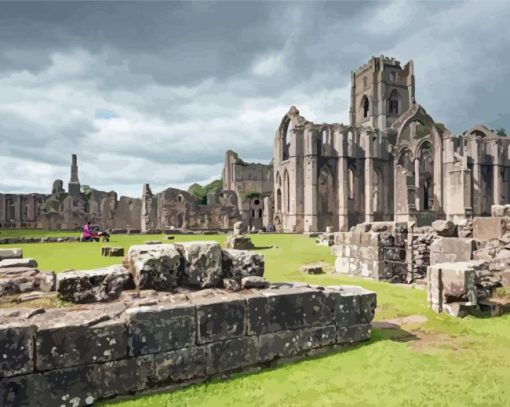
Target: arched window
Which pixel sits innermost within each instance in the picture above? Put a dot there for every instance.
(260, 213)
(286, 191)
(366, 106)
(279, 200)
(286, 134)
(351, 183)
(324, 136)
(393, 103)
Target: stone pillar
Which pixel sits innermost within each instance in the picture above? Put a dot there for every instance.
(31, 209)
(496, 179)
(343, 183)
(310, 196)
(369, 179)
(417, 184)
(17, 208)
(477, 177)
(3, 208)
(74, 182)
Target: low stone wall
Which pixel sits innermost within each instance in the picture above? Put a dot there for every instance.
(18, 240)
(373, 254)
(150, 340)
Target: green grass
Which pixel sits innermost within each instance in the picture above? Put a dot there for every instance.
(442, 362)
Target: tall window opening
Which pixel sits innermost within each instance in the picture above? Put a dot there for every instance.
(366, 106)
(393, 103)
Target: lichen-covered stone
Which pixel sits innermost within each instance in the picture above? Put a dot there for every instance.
(231, 284)
(160, 328)
(155, 266)
(254, 282)
(16, 349)
(239, 242)
(242, 263)
(66, 346)
(232, 354)
(202, 264)
(353, 333)
(14, 262)
(96, 285)
(219, 317)
(179, 365)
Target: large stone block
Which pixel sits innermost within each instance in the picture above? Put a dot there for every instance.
(445, 228)
(353, 334)
(451, 249)
(282, 344)
(123, 376)
(15, 262)
(11, 253)
(219, 317)
(488, 228)
(160, 328)
(16, 349)
(238, 264)
(179, 365)
(294, 308)
(202, 263)
(70, 345)
(155, 267)
(232, 354)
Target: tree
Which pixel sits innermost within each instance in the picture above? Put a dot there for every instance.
(501, 132)
(200, 192)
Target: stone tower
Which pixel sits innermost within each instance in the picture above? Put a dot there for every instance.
(381, 91)
(74, 183)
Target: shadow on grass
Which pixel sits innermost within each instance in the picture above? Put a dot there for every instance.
(262, 247)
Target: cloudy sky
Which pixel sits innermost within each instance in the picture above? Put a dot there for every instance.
(157, 91)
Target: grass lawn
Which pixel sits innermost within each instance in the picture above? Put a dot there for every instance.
(441, 361)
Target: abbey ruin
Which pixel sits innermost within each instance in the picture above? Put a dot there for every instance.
(391, 162)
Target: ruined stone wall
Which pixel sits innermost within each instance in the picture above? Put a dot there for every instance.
(78, 356)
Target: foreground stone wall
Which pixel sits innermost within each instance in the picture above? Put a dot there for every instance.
(76, 356)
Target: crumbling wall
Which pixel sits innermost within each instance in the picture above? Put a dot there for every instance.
(78, 356)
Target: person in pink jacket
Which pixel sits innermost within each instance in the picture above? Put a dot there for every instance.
(87, 235)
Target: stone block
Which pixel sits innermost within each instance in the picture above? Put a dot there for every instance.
(11, 253)
(70, 345)
(160, 328)
(312, 269)
(282, 344)
(257, 312)
(123, 376)
(220, 318)
(232, 354)
(445, 228)
(489, 228)
(155, 267)
(353, 334)
(179, 365)
(16, 349)
(317, 337)
(239, 242)
(242, 263)
(14, 262)
(254, 282)
(96, 285)
(202, 263)
(109, 251)
(451, 249)
(295, 308)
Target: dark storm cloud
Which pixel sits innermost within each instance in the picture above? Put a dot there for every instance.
(157, 91)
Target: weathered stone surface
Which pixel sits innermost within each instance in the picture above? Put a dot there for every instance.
(353, 334)
(451, 249)
(239, 242)
(202, 263)
(242, 263)
(109, 251)
(232, 354)
(123, 376)
(160, 328)
(155, 267)
(231, 284)
(254, 282)
(219, 317)
(11, 253)
(15, 280)
(96, 285)
(488, 228)
(179, 365)
(280, 344)
(14, 262)
(71, 345)
(312, 269)
(16, 349)
(444, 228)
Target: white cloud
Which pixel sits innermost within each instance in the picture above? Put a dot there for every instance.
(270, 65)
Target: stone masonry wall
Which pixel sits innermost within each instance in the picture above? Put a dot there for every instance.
(76, 356)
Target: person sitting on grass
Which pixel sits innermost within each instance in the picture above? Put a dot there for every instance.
(88, 235)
